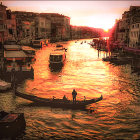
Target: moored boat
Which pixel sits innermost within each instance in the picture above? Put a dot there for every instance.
(60, 47)
(4, 86)
(11, 124)
(30, 52)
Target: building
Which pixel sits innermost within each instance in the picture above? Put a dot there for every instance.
(25, 23)
(3, 28)
(42, 27)
(60, 26)
(28, 31)
(127, 29)
(122, 28)
(134, 33)
(11, 26)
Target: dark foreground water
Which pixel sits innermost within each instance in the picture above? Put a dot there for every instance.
(117, 116)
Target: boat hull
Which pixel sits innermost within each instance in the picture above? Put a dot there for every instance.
(12, 124)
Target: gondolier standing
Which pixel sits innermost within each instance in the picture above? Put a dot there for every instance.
(74, 94)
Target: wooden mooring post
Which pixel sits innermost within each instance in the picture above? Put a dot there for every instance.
(13, 80)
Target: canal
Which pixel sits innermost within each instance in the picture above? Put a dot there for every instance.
(115, 117)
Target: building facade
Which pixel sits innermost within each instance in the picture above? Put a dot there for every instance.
(127, 29)
(25, 26)
(60, 26)
(42, 27)
(11, 26)
(3, 27)
(134, 33)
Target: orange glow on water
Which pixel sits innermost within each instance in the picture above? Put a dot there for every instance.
(85, 71)
(82, 67)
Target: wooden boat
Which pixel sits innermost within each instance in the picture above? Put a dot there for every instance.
(60, 103)
(57, 57)
(4, 86)
(11, 124)
(60, 47)
(30, 52)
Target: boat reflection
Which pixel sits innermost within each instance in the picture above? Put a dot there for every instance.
(56, 68)
(20, 75)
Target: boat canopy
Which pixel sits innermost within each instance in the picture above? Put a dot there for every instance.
(14, 54)
(12, 47)
(27, 48)
(57, 57)
(57, 53)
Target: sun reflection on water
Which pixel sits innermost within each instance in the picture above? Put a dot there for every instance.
(85, 71)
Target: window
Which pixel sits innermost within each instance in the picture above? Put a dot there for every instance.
(42, 23)
(1, 16)
(133, 26)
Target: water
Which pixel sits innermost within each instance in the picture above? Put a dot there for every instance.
(115, 117)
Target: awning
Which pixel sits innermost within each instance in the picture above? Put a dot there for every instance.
(12, 47)
(14, 54)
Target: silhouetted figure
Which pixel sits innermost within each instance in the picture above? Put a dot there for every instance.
(53, 98)
(74, 94)
(91, 110)
(84, 98)
(64, 98)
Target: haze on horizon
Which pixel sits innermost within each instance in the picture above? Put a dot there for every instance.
(97, 14)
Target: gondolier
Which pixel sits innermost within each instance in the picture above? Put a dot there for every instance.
(74, 94)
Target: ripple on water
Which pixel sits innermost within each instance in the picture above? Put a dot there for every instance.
(116, 116)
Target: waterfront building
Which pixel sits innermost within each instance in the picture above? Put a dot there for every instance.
(25, 25)
(127, 29)
(42, 27)
(11, 25)
(28, 31)
(124, 25)
(134, 34)
(3, 28)
(120, 31)
(60, 26)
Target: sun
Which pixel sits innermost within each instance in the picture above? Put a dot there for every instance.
(101, 21)
(106, 30)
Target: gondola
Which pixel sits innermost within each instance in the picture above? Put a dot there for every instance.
(11, 124)
(60, 103)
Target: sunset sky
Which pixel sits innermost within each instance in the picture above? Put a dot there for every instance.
(98, 14)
